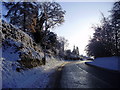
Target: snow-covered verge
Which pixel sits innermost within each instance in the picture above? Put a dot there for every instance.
(17, 46)
(111, 63)
(0, 68)
(37, 77)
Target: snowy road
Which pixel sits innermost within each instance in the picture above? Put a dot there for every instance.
(79, 75)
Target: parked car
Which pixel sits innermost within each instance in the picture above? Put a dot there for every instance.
(89, 58)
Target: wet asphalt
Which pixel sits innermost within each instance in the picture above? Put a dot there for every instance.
(80, 75)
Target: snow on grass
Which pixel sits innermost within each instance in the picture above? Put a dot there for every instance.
(9, 52)
(111, 63)
(0, 68)
(37, 77)
(10, 55)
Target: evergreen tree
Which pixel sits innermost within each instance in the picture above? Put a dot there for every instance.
(115, 19)
(74, 50)
(77, 50)
(106, 39)
(21, 14)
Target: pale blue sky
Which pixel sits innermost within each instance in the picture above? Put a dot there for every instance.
(79, 18)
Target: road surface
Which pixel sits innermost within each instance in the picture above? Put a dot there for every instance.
(80, 75)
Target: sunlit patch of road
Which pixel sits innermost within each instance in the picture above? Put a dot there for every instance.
(73, 76)
(76, 74)
(83, 61)
(77, 61)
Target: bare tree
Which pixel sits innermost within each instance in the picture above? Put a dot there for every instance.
(51, 15)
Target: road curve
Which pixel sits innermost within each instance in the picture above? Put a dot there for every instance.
(75, 77)
(79, 75)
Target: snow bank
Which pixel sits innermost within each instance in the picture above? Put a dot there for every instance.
(111, 63)
(16, 44)
(37, 77)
